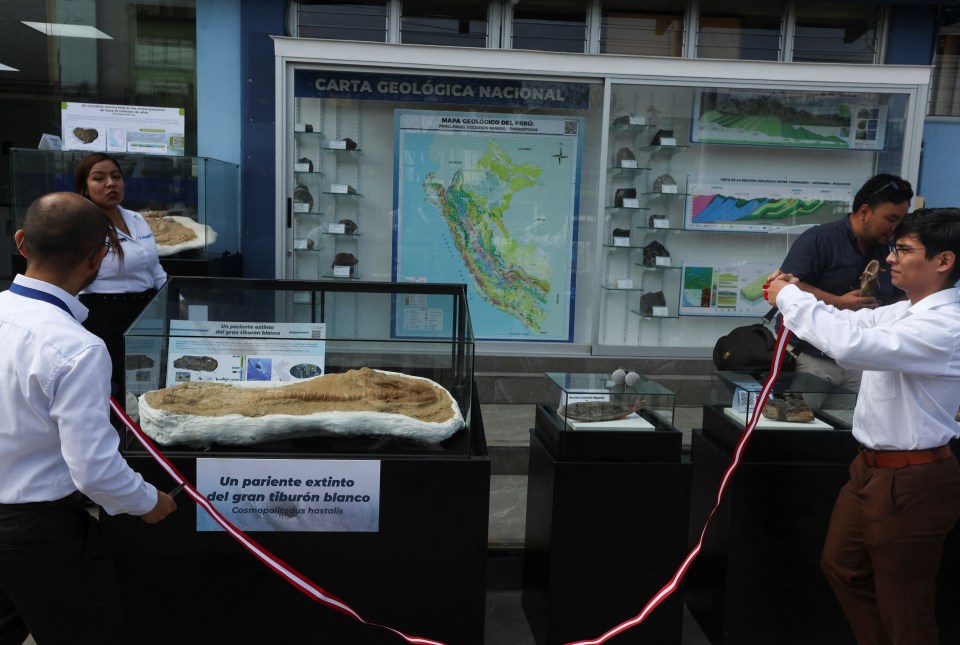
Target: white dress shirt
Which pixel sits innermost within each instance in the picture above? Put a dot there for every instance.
(56, 436)
(141, 268)
(910, 357)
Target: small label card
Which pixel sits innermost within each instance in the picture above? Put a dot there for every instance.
(299, 207)
(621, 241)
(637, 120)
(668, 189)
(301, 167)
(663, 261)
(624, 283)
(666, 142)
(299, 127)
(337, 229)
(631, 202)
(659, 312)
(300, 244)
(743, 400)
(628, 163)
(660, 221)
(338, 144)
(342, 272)
(345, 189)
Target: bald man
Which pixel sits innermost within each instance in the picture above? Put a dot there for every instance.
(57, 580)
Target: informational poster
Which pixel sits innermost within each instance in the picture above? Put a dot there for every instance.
(97, 127)
(237, 351)
(724, 289)
(794, 118)
(296, 495)
(489, 200)
(764, 204)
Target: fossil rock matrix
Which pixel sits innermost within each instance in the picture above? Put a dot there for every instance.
(363, 401)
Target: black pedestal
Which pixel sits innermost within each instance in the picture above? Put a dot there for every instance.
(423, 573)
(604, 533)
(758, 578)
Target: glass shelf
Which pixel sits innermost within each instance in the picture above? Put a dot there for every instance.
(650, 317)
(611, 287)
(327, 192)
(330, 276)
(356, 152)
(654, 266)
(309, 173)
(618, 209)
(625, 170)
(661, 194)
(328, 232)
(306, 134)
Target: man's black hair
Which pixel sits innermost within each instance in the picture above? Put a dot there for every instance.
(938, 230)
(883, 188)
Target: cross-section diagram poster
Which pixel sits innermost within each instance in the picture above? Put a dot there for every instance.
(489, 200)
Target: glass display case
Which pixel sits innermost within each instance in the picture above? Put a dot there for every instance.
(385, 381)
(191, 203)
(625, 401)
(798, 401)
(618, 417)
(707, 186)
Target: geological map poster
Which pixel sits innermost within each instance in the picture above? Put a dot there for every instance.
(489, 200)
(764, 204)
(839, 120)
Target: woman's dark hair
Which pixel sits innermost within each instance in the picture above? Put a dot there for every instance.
(938, 229)
(883, 188)
(80, 186)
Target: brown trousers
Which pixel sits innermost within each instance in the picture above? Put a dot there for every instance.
(883, 549)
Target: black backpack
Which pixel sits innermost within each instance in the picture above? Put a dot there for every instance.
(749, 349)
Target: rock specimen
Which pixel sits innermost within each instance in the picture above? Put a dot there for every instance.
(166, 230)
(591, 411)
(357, 402)
(790, 408)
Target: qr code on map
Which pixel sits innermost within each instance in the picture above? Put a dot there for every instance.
(571, 127)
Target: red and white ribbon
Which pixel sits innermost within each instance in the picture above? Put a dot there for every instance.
(281, 568)
(668, 589)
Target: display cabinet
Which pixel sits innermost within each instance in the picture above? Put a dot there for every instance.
(255, 333)
(625, 209)
(583, 474)
(707, 187)
(350, 503)
(191, 203)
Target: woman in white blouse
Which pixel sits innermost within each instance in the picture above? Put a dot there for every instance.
(130, 274)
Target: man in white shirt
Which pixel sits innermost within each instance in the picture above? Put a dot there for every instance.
(57, 580)
(883, 546)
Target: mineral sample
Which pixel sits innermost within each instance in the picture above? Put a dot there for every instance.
(196, 363)
(87, 135)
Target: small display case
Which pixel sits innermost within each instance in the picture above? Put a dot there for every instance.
(798, 401)
(804, 414)
(619, 416)
(277, 337)
(191, 203)
(627, 402)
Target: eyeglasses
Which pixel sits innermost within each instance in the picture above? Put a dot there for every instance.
(890, 184)
(897, 251)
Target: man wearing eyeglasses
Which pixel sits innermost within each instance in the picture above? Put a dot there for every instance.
(57, 580)
(885, 538)
(828, 260)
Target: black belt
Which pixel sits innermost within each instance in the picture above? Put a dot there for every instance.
(69, 500)
(143, 296)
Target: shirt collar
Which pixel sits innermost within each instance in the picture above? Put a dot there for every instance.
(79, 311)
(944, 297)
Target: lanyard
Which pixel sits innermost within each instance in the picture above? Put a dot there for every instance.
(29, 292)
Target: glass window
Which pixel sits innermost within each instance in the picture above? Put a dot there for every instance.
(559, 26)
(343, 20)
(945, 82)
(463, 23)
(828, 32)
(656, 29)
(742, 30)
